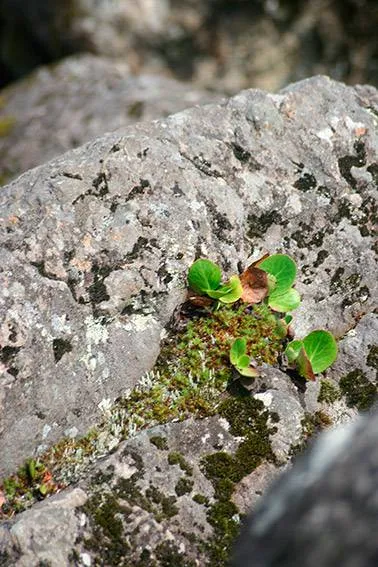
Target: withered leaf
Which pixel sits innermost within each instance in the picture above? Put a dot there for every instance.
(200, 300)
(304, 365)
(255, 284)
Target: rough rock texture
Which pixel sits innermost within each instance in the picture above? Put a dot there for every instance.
(62, 106)
(95, 250)
(221, 44)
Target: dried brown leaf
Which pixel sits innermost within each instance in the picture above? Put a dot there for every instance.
(255, 284)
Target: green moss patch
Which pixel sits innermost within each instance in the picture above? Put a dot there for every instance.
(358, 391)
(189, 379)
(329, 392)
(248, 418)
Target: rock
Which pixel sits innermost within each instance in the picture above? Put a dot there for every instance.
(215, 44)
(331, 492)
(62, 106)
(96, 246)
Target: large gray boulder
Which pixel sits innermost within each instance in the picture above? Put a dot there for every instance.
(218, 44)
(62, 106)
(95, 250)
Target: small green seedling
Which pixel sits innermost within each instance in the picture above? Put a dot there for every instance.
(240, 360)
(205, 278)
(313, 354)
(281, 270)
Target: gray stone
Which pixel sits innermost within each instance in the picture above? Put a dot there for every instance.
(64, 105)
(96, 246)
(131, 211)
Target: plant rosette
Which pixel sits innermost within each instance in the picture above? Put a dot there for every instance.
(313, 354)
(240, 360)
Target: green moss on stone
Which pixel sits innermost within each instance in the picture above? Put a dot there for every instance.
(201, 499)
(358, 390)
(329, 392)
(248, 418)
(184, 486)
(372, 358)
(176, 458)
(159, 442)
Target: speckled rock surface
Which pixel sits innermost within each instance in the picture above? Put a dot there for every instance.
(60, 107)
(95, 252)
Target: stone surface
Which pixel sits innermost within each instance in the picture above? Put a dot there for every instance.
(62, 106)
(219, 44)
(95, 250)
(329, 493)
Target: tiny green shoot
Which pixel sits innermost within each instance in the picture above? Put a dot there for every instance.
(240, 360)
(313, 354)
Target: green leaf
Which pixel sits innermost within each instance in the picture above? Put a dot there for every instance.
(283, 268)
(321, 349)
(204, 275)
(220, 292)
(293, 349)
(236, 290)
(243, 361)
(288, 319)
(237, 350)
(249, 372)
(43, 489)
(284, 302)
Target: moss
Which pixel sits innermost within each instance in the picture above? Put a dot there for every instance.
(200, 499)
(107, 542)
(168, 555)
(188, 380)
(159, 442)
(372, 358)
(359, 392)
(7, 124)
(248, 418)
(329, 392)
(184, 486)
(176, 458)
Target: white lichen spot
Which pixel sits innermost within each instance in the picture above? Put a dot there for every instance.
(96, 333)
(139, 323)
(46, 430)
(294, 203)
(85, 559)
(59, 323)
(205, 438)
(224, 423)
(71, 432)
(326, 134)
(266, 398)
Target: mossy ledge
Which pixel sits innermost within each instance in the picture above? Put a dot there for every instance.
(189, 379)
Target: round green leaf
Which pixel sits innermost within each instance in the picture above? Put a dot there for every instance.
(321, 350)
(220, 292)
(293, 349)
(284, 302)
(249, 372)
(204, 275)
(243, 361)
(236, 290)
(283, 268)
(237, 350)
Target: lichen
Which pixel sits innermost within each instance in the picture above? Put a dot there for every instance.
(358, 391)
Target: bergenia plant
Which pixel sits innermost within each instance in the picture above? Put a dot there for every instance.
(240, 360)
